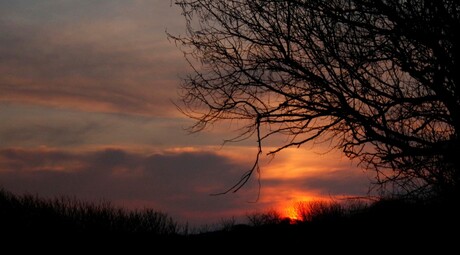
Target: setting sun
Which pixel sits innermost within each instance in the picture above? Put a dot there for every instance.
(291, 213)
(294, 209)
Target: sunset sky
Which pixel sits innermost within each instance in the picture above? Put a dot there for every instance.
(86, 109)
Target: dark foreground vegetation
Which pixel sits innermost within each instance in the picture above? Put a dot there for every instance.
(346, 224)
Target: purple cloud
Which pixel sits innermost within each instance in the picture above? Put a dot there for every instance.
(177, 183)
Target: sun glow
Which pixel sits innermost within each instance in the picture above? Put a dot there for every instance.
(292, 214)
(291, 208)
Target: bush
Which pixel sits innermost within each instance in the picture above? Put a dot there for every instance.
(31, 213)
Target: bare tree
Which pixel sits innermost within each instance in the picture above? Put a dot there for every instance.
(379, 78)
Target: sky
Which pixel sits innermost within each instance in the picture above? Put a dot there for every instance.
(87, 92)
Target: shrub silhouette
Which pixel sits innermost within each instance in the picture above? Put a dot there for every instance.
(319, 221)
(33, 214)
(268, 217)
(319, 210)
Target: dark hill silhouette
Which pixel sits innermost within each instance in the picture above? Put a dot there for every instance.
(384, 225)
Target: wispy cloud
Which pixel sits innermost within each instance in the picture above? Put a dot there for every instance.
(33, 126)
(117, 60)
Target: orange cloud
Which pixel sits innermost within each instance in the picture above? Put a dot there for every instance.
(294, 163)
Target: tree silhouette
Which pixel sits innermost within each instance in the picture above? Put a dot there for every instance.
(378, 78)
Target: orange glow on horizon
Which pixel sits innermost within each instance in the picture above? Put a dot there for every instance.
(292, 214)
(290, 210)
(299, 210)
